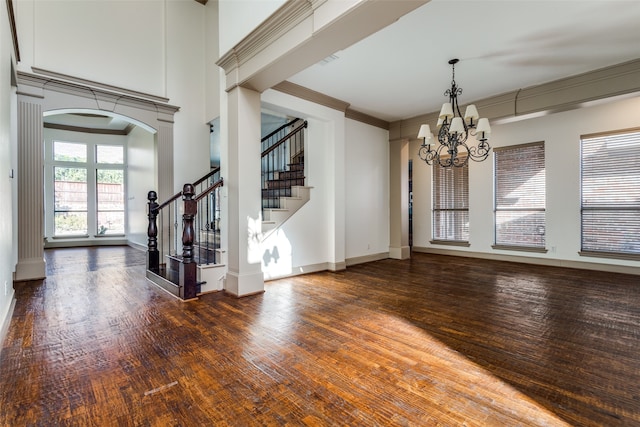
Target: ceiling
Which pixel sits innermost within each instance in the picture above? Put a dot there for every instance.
(88, 123)
(402, 71)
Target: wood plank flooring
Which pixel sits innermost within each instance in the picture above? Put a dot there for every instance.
(434, 340)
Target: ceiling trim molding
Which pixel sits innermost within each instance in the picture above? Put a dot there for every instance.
(336, 104)
(94, 84)
(80, 129)
(578, 91)
(14, 32)
(311, 95)
(365, 118)
(202, 2)
(106, 97)
(285, 18)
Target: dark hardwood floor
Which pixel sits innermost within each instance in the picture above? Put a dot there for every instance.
(434, 340)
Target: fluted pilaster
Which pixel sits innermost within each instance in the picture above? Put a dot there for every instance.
(31, 264)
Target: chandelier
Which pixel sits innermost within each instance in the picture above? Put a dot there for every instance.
(454, 146)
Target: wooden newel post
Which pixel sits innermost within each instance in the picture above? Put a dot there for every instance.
(153, 256)
(190, 210)
(188, 267)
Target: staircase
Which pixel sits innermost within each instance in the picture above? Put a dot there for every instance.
(184, 256)
(283, 179)
(187, 261)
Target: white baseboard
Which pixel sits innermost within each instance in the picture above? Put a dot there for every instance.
(367, 258)
(553, 262)
(6, 320)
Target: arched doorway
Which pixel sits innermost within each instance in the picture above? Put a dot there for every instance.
(98, 167)
(38, 95)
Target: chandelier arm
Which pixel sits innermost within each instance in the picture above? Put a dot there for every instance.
(479, 153)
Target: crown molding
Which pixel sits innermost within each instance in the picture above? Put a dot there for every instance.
(573, 92)
(284, 19)
(94, 84)
(328, 101)
(81, 129)
(105, 96)
(12, 27)
(365, 118)
(311, 95)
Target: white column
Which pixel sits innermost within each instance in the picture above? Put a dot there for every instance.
(336, 146)
(399, 199)
(31, 264)
(244, 199)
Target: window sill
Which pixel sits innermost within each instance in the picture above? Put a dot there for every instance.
(520, 248)
(450, 243)
(610, 255)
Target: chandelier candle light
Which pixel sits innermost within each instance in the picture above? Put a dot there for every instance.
(454, 131)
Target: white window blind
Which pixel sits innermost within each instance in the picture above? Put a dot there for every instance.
(611, 193)
(451, 203)
(520, 195)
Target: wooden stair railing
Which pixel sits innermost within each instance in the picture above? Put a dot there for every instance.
(282, 162)
(199, 212)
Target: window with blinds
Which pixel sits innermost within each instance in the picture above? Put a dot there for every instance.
(451, 203)
(520, 196)
(610, 196)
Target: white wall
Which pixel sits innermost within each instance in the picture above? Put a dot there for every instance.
(239, 17)
(141, 170)
(307, 240)
(7, 184)
(348, 214)
(186, 57)
(367, 190)
(88, 38)
(213, 73)
(156, 47)
(561, 134)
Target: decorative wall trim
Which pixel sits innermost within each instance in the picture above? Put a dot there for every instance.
(337, 266)
(94, 84)
(311, 95)
(560, 95)
(106, 97)
(5, 320)
(319, 98)
(365, 118)
(285, 18)
(611, 268)
(366, 258)
(69, 128)
(12, 27)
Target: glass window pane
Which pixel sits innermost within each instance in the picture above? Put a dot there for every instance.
(70, 223)
(110, 189)
(520, 195)
(69, 152)
(451, 203)
(520, 228)
(110, 223)
(70, 189)
(110, 197)
(611, 193)
(451, 225)
(111, 154)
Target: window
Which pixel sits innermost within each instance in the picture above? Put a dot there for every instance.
(451, 204)
(610, 196)
(88, 189)
(520, 196)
